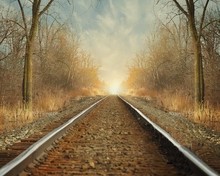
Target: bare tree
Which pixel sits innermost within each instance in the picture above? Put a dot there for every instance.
(37, 12)
(189, 8)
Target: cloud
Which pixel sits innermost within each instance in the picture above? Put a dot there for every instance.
(113, 32)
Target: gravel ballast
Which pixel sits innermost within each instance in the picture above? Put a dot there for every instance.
(75, 106)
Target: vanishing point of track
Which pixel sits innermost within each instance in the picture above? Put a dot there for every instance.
(108, 140)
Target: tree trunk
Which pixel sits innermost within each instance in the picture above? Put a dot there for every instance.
(198, 70)
(30, 37)
(199, 81)
(27, 77)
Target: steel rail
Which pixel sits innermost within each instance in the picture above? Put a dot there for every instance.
(21, 161)
(201, 166)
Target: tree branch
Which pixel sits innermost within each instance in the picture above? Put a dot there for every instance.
(5, 35)
(30, 1)
(203, 18)
(191, 5)
(1, 59)
(211, 22)
(13, 21)
(46, 7)
(23, 18)
(180, 7)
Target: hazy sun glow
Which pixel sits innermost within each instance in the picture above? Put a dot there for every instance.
(114, 89)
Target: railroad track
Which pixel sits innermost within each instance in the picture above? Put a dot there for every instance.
(108, 140)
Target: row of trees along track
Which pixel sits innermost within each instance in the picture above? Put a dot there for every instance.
(189, 35)
(38, 46)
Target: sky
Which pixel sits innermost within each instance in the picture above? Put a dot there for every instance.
(112, 31)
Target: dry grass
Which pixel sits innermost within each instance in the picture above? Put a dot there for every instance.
(209, 117)
(47, 101)
(179, 102)
(176, 101)
(172, 101)
(11, 117)
(142, 92)
(50, 100)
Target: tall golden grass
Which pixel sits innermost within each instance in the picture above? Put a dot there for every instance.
(50, 100)
(11, 117)
(47, 101)
(179, 102)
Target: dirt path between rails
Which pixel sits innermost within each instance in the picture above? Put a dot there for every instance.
(109, 141)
